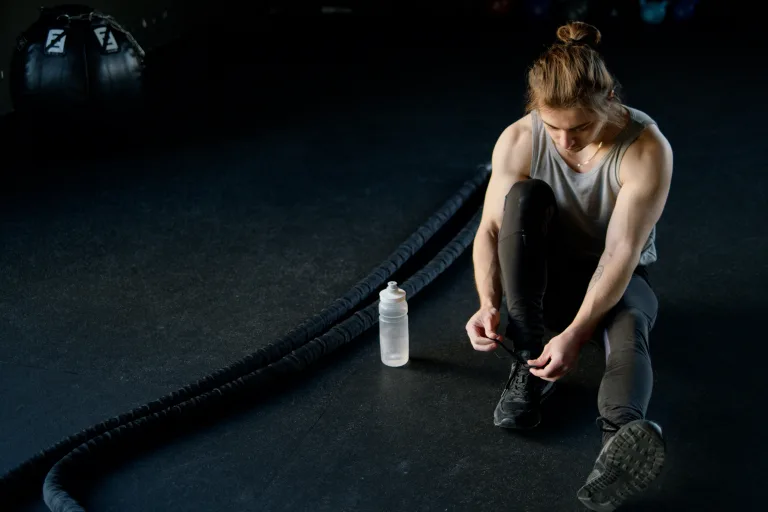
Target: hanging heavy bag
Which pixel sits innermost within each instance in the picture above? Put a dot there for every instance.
(76, 60)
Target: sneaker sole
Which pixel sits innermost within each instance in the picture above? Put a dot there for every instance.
(633, 461)
(513, 425)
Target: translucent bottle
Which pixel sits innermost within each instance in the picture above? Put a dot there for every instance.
(393, 325)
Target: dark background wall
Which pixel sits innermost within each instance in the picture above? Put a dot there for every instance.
(277, 38)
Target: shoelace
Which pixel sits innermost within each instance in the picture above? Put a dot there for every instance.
(521, 362)
(517, 379)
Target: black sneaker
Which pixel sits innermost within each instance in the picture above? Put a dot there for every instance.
(519, 406)
(629, 461)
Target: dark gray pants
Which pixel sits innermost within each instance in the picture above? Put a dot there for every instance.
(543, 287)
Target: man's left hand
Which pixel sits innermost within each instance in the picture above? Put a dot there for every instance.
(559, 357)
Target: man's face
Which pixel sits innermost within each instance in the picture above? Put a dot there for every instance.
(572, 129)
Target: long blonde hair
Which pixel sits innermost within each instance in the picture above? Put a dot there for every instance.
(572, 74)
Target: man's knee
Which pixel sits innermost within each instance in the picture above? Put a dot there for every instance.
(529, 206)
(530, 195)
(627, 335)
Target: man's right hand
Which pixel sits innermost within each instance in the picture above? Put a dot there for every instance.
(481, 329)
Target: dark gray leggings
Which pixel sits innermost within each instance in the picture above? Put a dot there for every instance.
(543, 287)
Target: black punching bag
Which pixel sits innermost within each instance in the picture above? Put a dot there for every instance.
(74, 60)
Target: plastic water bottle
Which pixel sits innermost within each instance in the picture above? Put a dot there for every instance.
(393, 325)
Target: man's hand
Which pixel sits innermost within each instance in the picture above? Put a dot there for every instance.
(559, 357)
(481, 329)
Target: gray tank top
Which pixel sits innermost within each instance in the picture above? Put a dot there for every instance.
(586, 200)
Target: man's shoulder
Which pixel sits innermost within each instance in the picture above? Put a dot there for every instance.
(518, 132)
(649, 140)
(649, 154)
(512, 153)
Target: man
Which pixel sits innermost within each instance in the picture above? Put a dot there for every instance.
(567, 233)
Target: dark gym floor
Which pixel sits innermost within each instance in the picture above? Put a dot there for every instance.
(127, 273)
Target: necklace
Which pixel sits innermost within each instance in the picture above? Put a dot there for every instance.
(585, 162)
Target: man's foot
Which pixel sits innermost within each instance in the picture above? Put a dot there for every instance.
(627, 464)
(518, 407)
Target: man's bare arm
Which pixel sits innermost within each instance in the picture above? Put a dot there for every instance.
(639, 206)
(510, 164)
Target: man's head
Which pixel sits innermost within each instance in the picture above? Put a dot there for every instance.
(571, 88)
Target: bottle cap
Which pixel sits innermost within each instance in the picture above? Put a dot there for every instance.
(392, 293)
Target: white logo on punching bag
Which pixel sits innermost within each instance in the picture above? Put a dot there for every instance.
(106, 38)
(55, 42)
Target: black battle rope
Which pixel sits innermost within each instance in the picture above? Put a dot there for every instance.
(24, 480)
(201, 407)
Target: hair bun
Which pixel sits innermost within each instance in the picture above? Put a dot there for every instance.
(578, 32)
